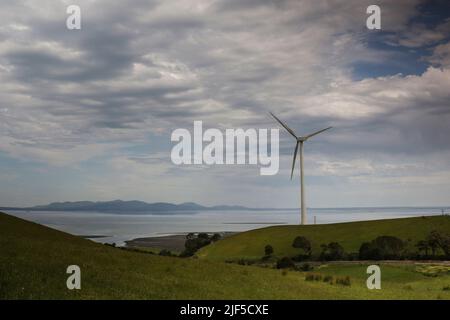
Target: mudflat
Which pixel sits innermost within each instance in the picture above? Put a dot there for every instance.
(174, 242)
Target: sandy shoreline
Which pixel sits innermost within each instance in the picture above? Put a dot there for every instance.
(173, 242)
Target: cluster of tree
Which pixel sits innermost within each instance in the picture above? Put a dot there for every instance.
(433, 242)
(382, 248)
(303, 244)
(305, 247)
(332, 251)
(195, 242)
(392, 248)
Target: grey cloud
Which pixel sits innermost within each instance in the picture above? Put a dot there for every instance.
(242, 55)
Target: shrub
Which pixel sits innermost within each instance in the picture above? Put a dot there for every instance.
(318, 277)
(306, 267)
(245, 262)
(314, 277)
(347, 281)
(408, 287)
(241, 262)
(309, 277)
(268, 250)
(136, 250)
(186, 253)
(216, 237)
(165, 252)
(328, 279)
(303, 243)
(266, 258)
(301, 257)
(352, 256)
(344, 281)
(284, 263)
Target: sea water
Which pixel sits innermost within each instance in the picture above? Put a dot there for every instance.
(126, 226)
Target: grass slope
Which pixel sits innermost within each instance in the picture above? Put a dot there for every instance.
(350, 235)
(33, 261)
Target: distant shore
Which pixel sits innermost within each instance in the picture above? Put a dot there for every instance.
(173, 242)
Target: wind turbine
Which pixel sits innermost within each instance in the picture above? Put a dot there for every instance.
(300, 140)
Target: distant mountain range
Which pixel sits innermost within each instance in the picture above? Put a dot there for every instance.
(120, 206)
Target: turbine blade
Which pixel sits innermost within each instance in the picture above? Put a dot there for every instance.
(284, 125)
(317, 132)
(293, 161)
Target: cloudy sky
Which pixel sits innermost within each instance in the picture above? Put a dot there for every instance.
(87, 114)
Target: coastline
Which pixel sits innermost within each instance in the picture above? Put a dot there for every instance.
(174, 242)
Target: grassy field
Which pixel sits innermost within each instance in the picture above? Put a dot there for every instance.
(250, 245)
(33, 261)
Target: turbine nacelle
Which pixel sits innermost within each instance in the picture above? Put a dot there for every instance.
(298, 138)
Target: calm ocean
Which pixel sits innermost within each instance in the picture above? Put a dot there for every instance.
(120, 227)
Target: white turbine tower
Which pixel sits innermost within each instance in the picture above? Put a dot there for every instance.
(300, 140)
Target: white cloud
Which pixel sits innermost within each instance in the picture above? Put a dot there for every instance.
(141, 70)
(441, 55)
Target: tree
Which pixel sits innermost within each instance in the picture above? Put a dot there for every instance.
(438, 240)
(369, 251)
(332, 251)
(390, 247)
(445, 245)
(423, 246)
(216, 237)
(268, 250)
(193, 244)
(203, 235)
(304, 244)
(433, 240)
(383, 247)
(365, 251)
(190, 235)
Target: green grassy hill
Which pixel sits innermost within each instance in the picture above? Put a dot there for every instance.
(250, 245)
(34, 258)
